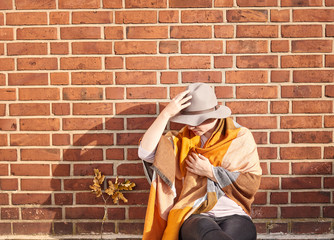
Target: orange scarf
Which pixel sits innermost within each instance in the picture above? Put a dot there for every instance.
(175, 194)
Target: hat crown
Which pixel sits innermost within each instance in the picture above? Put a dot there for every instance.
(203, 97)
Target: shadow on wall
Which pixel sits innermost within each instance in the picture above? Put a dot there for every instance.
(110, 145)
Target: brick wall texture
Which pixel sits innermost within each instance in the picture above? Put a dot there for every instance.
(81, 80)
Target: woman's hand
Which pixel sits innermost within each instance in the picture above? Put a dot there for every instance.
(177, 104)
(200, 165)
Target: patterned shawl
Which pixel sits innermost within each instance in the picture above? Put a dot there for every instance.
(175, 194)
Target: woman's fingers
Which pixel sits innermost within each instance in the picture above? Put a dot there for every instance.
(181, 95)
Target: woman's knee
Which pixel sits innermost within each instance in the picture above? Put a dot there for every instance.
(196, 227)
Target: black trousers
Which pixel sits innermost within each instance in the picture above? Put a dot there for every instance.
(201, 227)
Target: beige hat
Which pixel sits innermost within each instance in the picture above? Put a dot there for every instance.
(204, 105)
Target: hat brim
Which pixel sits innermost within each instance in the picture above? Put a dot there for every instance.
(197, 119)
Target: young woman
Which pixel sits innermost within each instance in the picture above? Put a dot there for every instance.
(204, 177)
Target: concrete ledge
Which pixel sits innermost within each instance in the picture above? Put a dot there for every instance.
(138, 237)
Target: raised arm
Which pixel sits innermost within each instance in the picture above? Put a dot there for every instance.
(152, 136)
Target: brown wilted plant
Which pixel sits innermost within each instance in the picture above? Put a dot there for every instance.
(114, 191)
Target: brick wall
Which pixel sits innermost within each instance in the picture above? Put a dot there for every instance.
(81, 80)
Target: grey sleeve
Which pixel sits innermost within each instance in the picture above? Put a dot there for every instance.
(146, 155)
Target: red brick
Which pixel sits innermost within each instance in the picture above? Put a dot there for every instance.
(135, 78)
(83, 155)
(190, 31)
(301, 3)
(8, 124)
(254, 92)
(6, 34)
(312, 106)
(3, 140)
(4, 199)
(31, 198)
(169, 16)
(261, 122)
(59, 48)
(60, 170)
(63, 199)
(29, 170)
(222, 31)
(145, 4)
(312, 137)
(257, 3)
(29, 109)
(146, 92)
(329, 152)
(60, 139)
(115, 93)
(279, 168)
(40, 154)
(79, 4)
(91, 17)
(92, 78)
(264, 212)
(260, 137)
(301, 31)
(147, 32)
(329, 60)
(128, 138)
(301, 122)
(279, 137)
(280, 76)
(6, 5)
(32, 228)
(114, 123)
(88, 169)
(300, 212)
(135, 17)
(202, 16)
(313, 76)
(328, 182)
(190, 47)
(292, 153)
(202, 76)
(131, 169)
(7, 64)
(131, 108)
(247, 15)
(40, 4)
(59, 18)
(279, 107)
(8, 155)
(37, 64)
(246, 107)
(260, 198)
(139, 123)
(113, 32)
(84, 93)
(137, 212)
(115, 154)
(36, 33)
(112, 4)
(8, 94)
(329, 121)
(223, 3)
(168, 47)
(328, 211)
(39, 124)
(301, 183)
(84, 48)
(41, 213)
(39, 94)
(136, 47)
(301, 61)
(190, 4)
(92, 108)
(43, 184)
(304, 46)
(133, 155)
(82, 123)
(329, 91)
(257, 31)
(257, 61)
(223, 61)
(307, 168)
(281, 15)
(313, 15)
(114, 63)
(246, 77)
(59, 78)
(26, 18)
(146, 63)
(9, 213)
(279, 198)
(267, 152)
(192, 62)
(329, 2)
(84, 212)
(80, 33)
(246, 46)
(76, 63)
(329, 30)
(301, 91)
(100, 139)
(279, 46)
(94, 227)
(61, 108)
(311, 227)
(29, 139)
